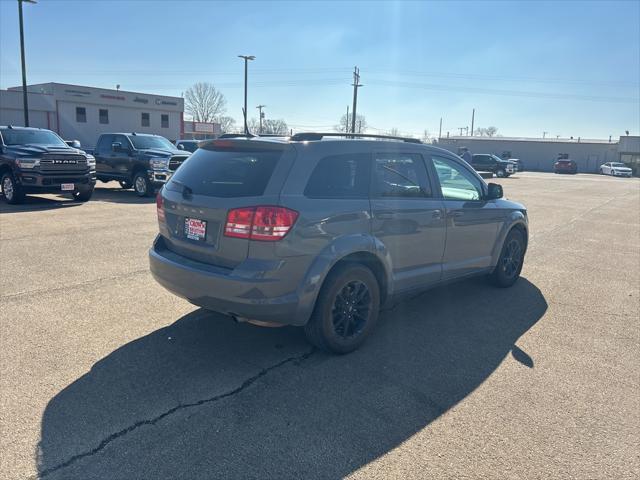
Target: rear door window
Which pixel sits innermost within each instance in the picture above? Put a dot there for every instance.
(340, 176)
(226, 173)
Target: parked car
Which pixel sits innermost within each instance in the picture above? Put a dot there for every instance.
(316, 233)
(615, 169)
(188, 145)
(484, 162)
(565, 165)
(142, 161)
(36, 160)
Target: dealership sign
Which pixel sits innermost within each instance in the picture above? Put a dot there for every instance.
(203, 127)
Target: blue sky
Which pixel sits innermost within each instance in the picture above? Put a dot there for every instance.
(567, 68)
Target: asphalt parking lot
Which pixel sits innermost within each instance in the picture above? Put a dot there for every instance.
(103, 374)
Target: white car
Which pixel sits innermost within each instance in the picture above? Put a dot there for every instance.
(615, 169)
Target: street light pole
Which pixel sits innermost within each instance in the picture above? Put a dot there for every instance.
(25, 102)
(244, 111)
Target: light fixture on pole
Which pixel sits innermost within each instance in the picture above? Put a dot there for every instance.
(244, 110)
(25, 102)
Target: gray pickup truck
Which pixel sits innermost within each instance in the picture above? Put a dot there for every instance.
(142, 161)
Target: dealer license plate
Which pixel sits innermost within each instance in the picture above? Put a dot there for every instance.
(67, 187)
(195, 229)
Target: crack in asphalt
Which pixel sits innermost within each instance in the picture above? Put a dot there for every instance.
(114, 436)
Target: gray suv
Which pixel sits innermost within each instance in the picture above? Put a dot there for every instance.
(319, 232)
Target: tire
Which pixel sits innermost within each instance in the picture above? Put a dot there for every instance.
(511, 259)
(500, 173)
(141, 185)
(125, 184)
(13, 193)
(83, 195)
(355, 289)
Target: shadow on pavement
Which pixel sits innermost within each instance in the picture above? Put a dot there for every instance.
(208, 398)
(34, 203)
(119, 195)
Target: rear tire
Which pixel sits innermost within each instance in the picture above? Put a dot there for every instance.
(13, 193)
(511, 259)
(83, 195)
(142, 186)
(346, 310)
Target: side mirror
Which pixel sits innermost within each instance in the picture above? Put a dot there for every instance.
(116, 146)
(181, 147)
(495, 191)
(74, 143)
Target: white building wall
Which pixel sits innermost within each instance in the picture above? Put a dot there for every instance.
(124, 111)
(41, 109)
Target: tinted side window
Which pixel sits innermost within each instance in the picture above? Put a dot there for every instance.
(145, 119)
(123, 140)
(456, 182)
(340, 176)
(104, 144)
(400, 175)
(81, 115)
(164, 120)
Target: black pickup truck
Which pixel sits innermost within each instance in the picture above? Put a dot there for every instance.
(36, 160)
(142, 161)
(486, 162)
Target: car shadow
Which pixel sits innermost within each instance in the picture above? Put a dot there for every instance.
(34, 203)
(208, 398)
(119, 195)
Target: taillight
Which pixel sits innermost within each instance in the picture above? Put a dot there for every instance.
(260, 223)
(160, 207)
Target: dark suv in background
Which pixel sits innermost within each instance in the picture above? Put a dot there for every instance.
(36, 160)
(142, 161)
(319, 232)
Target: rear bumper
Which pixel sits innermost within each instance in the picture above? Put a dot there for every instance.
(256, 295)
(37, 182)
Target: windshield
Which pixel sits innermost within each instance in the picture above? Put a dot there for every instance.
(618, 165)
(31, 137)
(142, 142)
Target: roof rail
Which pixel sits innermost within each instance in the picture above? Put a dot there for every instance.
(298, 137)
(274, 135)
(236, 135)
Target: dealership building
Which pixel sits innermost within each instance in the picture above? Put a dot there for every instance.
(83, 113)
(539, 154)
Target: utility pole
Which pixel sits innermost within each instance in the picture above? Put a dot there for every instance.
(461, 129)
(25, 101)
(260, 107)
(473, 117)
(440, 130)
(356, 84)
(346, 122)
(244, 111)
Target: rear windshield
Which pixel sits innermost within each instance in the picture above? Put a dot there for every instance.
(226, 173)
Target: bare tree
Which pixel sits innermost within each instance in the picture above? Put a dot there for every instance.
(426, 136)
(345, 124)
(227, 124)
(394, 132)
(269, 126)
(204, 102)
(486, 132)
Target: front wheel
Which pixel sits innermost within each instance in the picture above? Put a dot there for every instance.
(500, 173)
(346, 310)
(142, 185)
(83, 195)
(12, 191)
(509, 265)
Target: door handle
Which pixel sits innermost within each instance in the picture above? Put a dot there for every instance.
(437, 214)
(385, 216)
(456, 214)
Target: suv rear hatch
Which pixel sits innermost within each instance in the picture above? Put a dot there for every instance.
(221, 176)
